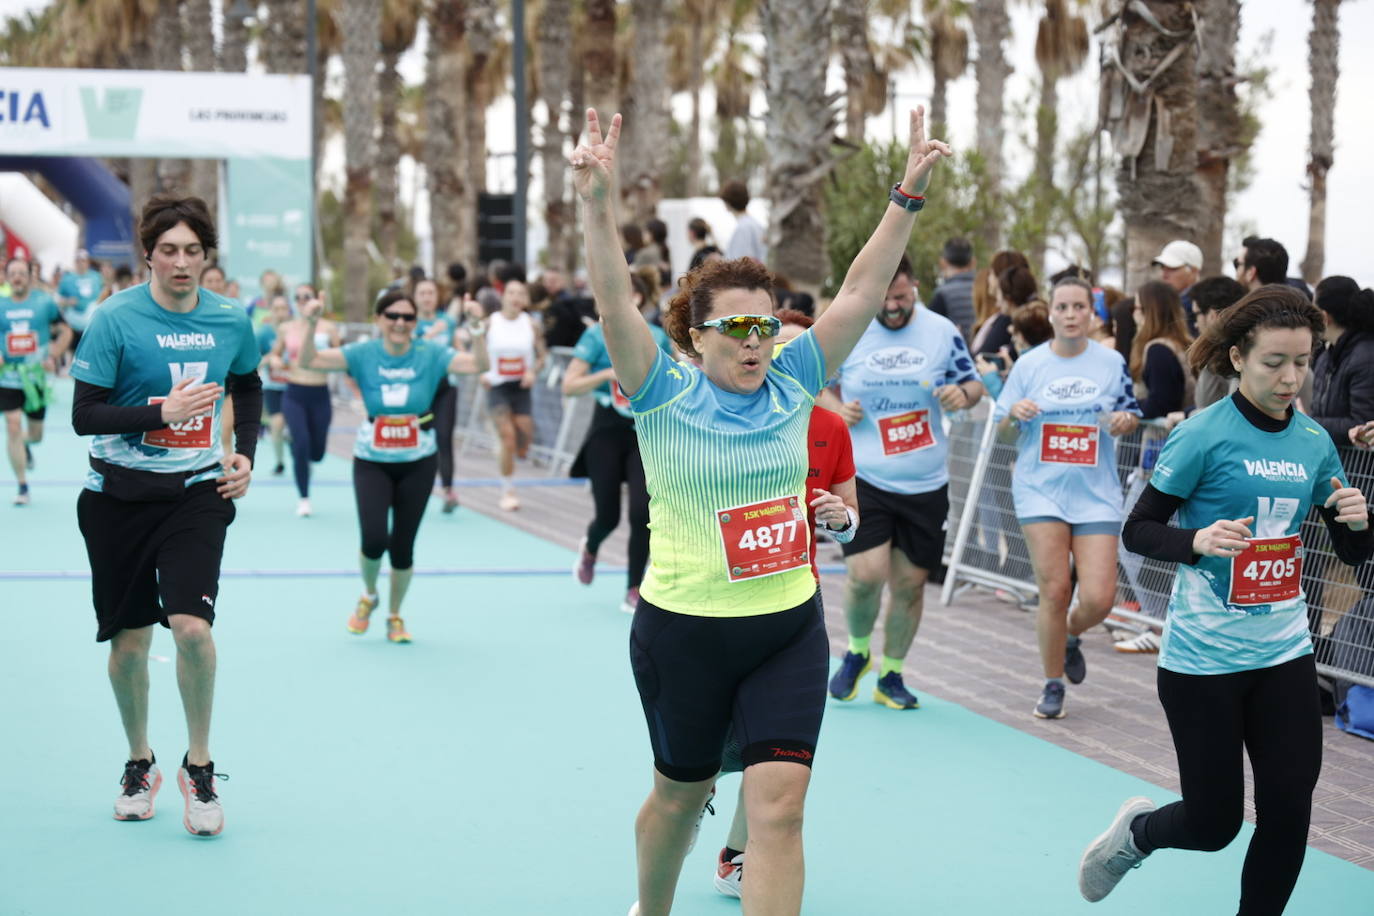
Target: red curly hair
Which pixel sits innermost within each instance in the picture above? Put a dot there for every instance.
(696, 294)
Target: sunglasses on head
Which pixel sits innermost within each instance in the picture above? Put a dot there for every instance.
(1237, 263)
(741, 326)
(400, 316)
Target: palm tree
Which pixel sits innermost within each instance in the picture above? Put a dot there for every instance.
(1323, 45)
(400, 21)
(1149, 97)
(1221, 133)
(233, 50)
(484, 72)
(359, 23)
(734, 80)
(598, 54)
(866, 68)
(1061, 47)
(800, 127)
(645, 106)
(554, 38)
(991, 28)
(692, 41)
(173, 175)
(446, 174)
(948, 55)
(283, 40)
(200, 43)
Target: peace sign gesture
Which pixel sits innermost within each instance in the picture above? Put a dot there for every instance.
(923, 155)
(593, 162)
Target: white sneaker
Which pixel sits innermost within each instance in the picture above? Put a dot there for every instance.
(509, 501)
(1106, 861)
(706, 806)
(634, 909)
(730, 875)
(141, 780)
(204, 815)
(1145, 642)
(303, 508)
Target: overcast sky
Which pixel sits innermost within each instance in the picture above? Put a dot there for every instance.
(1275, 204)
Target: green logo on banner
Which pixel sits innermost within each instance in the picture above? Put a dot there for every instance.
(113, 118)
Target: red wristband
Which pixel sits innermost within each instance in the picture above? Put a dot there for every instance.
(909, 196)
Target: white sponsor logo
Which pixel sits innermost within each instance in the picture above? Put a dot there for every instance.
(395, 395)
(196, 372)
(896, 361)
(15, 314)
(1072, 390)
(396, 373)
(1270, 469)
(186, 341)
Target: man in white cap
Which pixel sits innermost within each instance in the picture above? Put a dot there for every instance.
(1180, 265)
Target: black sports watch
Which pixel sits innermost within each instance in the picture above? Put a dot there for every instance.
(905, 200)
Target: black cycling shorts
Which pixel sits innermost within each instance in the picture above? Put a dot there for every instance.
(700, 677)
(509, 396)
(151, 559)
(13, 399)
(914, 523)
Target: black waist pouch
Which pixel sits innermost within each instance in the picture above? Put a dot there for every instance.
(136, 486)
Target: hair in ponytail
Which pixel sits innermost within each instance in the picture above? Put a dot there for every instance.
(1272, 306)
(1349, 306)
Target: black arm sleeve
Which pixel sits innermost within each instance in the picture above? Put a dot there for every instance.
(1163, 377)
(247, 392)
(1148, 532)
(93, 415)
(1351, 547)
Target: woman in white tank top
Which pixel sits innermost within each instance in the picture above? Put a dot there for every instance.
(517, 355)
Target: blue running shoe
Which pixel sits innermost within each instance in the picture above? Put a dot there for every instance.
(1075, 665)
(892, 693)
(1051, 705)
(845, 684)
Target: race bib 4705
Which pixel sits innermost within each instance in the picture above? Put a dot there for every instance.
(1062, 443)
(765, 538)
(1268, 571)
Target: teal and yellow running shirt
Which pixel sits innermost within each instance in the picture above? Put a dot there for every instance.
(591, 349)
(1246, 612)
(398, 392)
(25, 331)
(140, 350)
(726, 475)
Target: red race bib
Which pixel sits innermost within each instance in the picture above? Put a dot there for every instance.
(764, 539)
(618, 397)
(1267, 572)
(1061, 443)
(510, 366)
(21, 343)
(906, 432)
(396, 431)
(193, 433)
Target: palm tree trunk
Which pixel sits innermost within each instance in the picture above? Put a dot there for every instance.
(991, 29)
(939, 106)
(555, 71)
(851, 33)
(233, 52)
(695, 39)
(283, 41)
(1219, 128)
(1323, 46)
(200, 42)
(645, 136)
(799, 127)
(388, 156)
(1156, 135)
(479, 83)
(598, 57)
(1046, 131)
(173, 175)
(360, 28)
(142, 171)
(445, 100)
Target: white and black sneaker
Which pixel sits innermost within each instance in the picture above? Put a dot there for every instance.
(140, 783)
(204, 815)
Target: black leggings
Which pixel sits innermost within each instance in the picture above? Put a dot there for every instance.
(384, 488)
(612, 458)
(1274, 714)
(445, 418)
(307, 411)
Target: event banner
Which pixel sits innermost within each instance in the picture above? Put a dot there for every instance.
(168, 114)
(267, 223)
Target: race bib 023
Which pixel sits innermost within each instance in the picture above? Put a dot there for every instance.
(194, 432)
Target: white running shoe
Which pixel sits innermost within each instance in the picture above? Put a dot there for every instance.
(141, 780)
(1145, 642)
(509, 501)
(1112, 854)
(303, 508)
(730, 875)
(634, 909)
(204, 815)
(696, 831)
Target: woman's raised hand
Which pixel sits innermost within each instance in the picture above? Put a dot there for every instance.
(593, 162)
(923, 155)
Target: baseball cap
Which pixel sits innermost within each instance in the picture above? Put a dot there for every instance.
(1179, 253)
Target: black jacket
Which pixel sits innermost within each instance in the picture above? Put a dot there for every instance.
(1343, 384)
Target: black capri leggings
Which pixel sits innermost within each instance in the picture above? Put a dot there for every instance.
(1274, 714)
(307, 411)
(396, 489)
(445, 418)
(699, 677)
(612, 458)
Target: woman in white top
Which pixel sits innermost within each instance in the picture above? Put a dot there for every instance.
(517, 355)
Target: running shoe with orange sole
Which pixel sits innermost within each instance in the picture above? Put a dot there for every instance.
(396, 630)
(140, 783)
(357, 624)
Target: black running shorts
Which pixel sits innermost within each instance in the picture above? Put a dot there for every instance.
(698, 677)
(151, 559)
(13, 399)
(913, 523)
(509, 396)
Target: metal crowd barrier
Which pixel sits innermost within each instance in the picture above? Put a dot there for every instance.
(984, 547)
